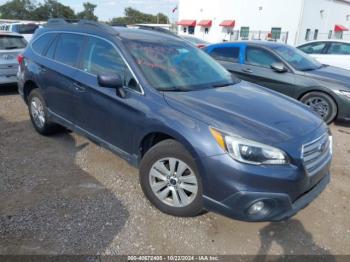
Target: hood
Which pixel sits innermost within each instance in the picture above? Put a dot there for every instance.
(331, 73)
(247, 110)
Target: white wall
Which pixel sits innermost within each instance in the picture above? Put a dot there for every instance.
(323, 15)
(294, 16)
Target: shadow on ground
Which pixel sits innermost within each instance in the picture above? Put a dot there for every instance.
(293, 239)
(9, 89)
(48, 204)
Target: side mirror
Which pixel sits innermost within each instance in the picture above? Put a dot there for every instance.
(110, 80)
(279, 67)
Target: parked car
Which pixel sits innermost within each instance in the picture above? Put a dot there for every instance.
(201, 139)
(11, 44)
(25, 29)
(325, 89)
(200, 43)
(329, 52)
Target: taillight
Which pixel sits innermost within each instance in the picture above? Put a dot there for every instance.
(201, 45)
(20, 59)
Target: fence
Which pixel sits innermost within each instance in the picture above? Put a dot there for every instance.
(259, 35)
(331, 35)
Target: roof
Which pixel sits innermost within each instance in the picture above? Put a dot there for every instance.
(10, 33)
(327, 41)
(268, 44)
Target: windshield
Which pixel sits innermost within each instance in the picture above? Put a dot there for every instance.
(296, 58)
(25, 28)
(12, 42)
(177, 66)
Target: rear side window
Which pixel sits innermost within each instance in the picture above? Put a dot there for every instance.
(339, 49)
(229, 54)
(314, 48)
(12, 42)
(41, 44)
(25, 28)
(260, 57)
(68, 48)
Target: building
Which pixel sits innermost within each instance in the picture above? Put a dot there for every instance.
(289, 21)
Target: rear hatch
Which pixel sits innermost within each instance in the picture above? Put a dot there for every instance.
(10, 47)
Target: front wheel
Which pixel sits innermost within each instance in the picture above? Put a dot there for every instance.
(322, 104)
(170, 180)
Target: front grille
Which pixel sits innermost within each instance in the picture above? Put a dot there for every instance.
(317, 154)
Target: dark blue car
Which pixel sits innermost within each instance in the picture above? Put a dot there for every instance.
(201, 139)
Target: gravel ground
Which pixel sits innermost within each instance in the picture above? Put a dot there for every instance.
(65, 195)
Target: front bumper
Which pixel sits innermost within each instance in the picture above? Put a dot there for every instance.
(279, 205)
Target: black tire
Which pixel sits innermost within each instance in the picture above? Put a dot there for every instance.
(328, 102)
(170, 149)
(48, 127)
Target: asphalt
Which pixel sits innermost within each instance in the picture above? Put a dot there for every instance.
(65, 195)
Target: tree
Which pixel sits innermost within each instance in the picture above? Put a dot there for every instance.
(52, 9)
(88, 12)
(17, 9)
(133, 16)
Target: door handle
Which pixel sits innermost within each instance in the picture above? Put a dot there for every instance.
(247, 70)
(43, 69)
(78, 87)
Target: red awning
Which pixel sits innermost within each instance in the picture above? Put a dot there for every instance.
(187, 22)
(205, 23)
(228, 23)
(340, 28)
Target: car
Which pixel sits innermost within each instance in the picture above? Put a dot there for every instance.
(11, 45)
(25, 29)
(200, 43)
(201, 139)
(285, 69)
(329, 52)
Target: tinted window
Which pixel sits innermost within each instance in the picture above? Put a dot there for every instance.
(40, 45)
(25, 28)
(101, 57)
(296, 58)
(313, 48)
(260, 57)
(12, 42)
(68, 47)
(230, 54)
(339, 49)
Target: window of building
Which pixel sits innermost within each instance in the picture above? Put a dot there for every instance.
(276, 33)
(339, 49)
(68, 48)
(244, 34)
(307, 35)
(40, 45)
(260, 57)
(191, 30)
(316, 34)
(330, 33)
(206, 30)
(229, 54)
(313, 48)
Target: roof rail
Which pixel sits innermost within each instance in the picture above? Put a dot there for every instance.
(76, 22)
(158, 29)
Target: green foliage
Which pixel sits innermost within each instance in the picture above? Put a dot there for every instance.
(88, 12)
(133, 16)
(52, 9)
(17, 9)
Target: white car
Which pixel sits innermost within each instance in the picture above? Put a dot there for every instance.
(25, 29)
(329, 52)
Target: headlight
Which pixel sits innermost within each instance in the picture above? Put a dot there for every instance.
(344, 93)
(248, 151)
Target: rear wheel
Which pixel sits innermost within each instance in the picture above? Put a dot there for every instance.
(170, 180)
(322, 104)
(38, 114)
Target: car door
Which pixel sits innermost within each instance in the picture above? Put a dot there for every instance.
(100, 112)
(337, 54)
(229, 56)
(256, 68)
(57, 70)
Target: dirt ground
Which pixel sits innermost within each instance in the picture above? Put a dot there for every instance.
(65, 195)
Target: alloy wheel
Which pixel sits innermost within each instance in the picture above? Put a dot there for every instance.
(37, 112)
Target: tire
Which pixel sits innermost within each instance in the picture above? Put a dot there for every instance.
(38, 114)
(322, 104)
(175, 203)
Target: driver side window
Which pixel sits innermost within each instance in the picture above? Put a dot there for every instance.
(101, 57)
(260, 57)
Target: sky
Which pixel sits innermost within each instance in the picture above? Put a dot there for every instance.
(107, 9)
